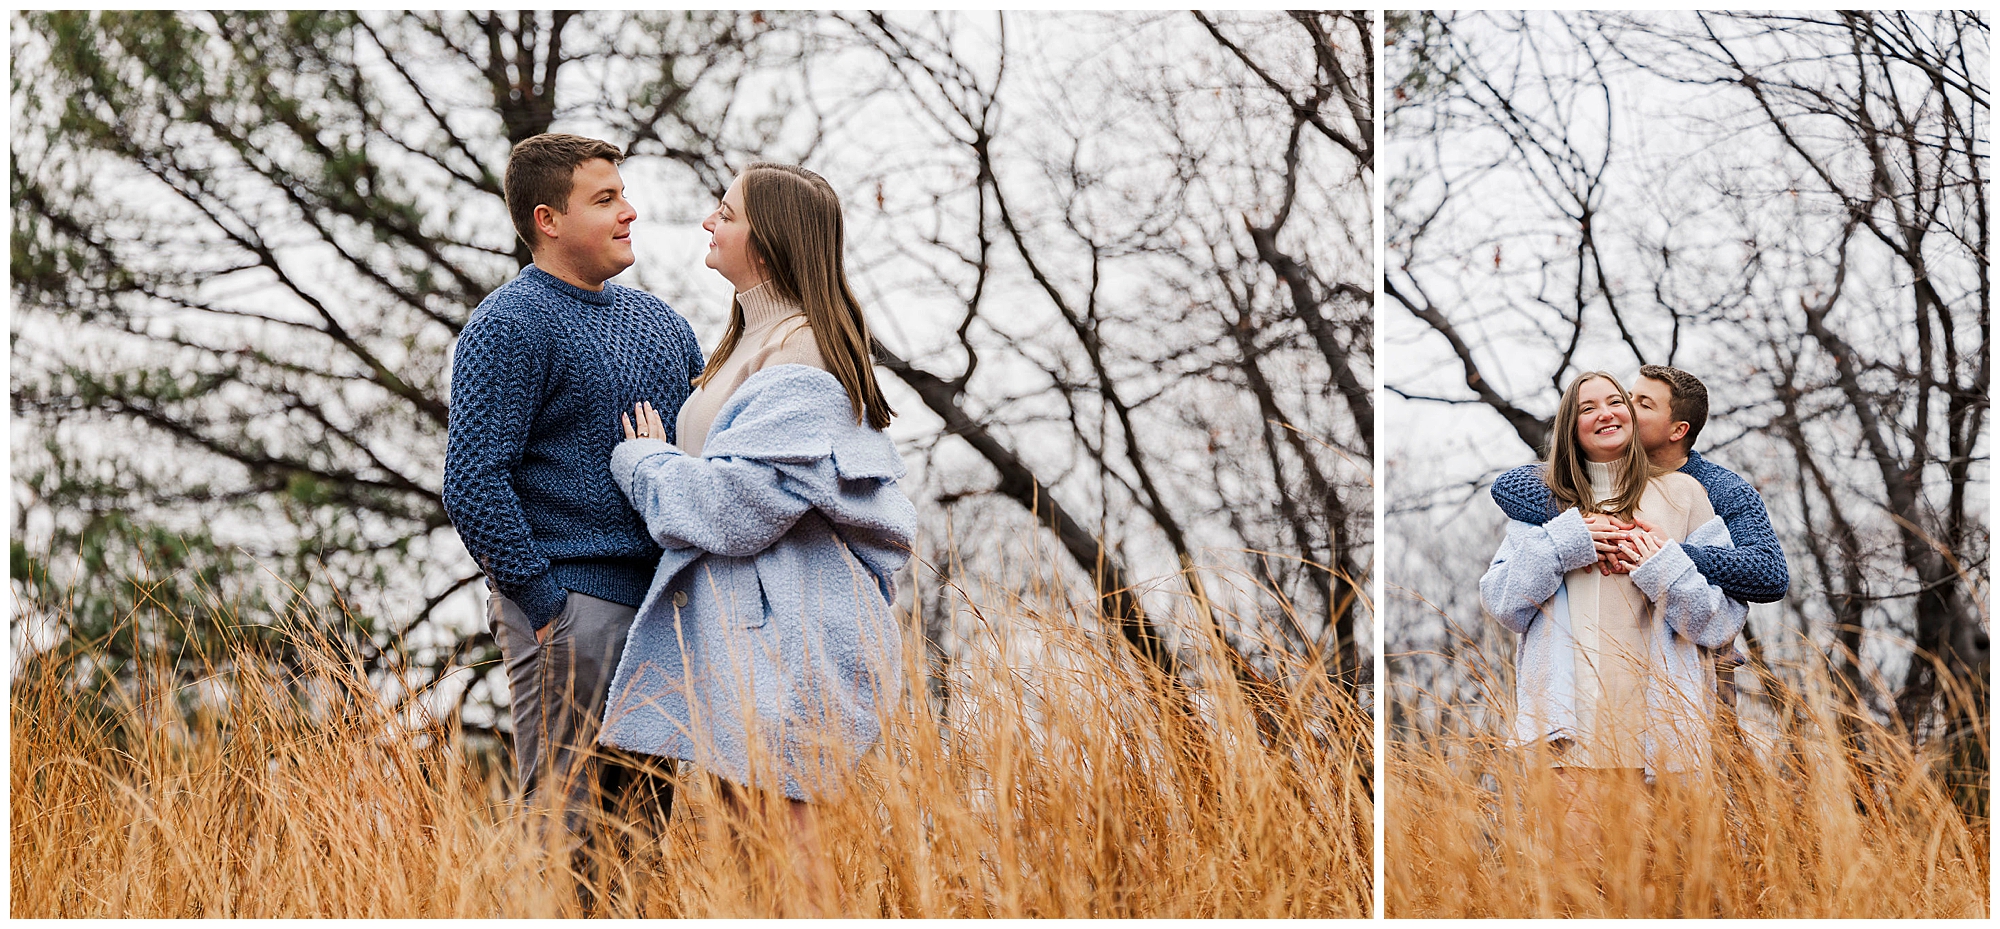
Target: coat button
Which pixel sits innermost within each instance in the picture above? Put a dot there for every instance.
(680, 598)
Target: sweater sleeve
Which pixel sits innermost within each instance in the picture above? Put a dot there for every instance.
(1754, 570)
(725, 506)
(497, 376)
(1523, 495)
(1529, 567)
(1697, 610)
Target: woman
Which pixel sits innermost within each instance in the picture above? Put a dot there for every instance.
(765, 642)
(1610, 670)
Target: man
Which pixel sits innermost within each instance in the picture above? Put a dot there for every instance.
(539, 377)
(1669, 407)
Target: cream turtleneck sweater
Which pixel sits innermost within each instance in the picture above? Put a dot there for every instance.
(774, 333)
(1607, 620)
(1599, 473)
(1612, 622)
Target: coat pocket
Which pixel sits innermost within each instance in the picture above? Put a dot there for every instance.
(756, 611)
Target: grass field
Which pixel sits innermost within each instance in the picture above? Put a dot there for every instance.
(1079, 786)
(1815, 813)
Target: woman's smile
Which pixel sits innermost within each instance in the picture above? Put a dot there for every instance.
(1602, 420)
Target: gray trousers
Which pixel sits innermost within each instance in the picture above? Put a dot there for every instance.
(558, 691)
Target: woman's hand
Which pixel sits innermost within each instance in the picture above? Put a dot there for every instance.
(648, 419)
(1606, 534)
(1644, 545)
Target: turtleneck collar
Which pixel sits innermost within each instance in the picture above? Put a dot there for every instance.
(1600, 478)
(763, 307)
(594, 297)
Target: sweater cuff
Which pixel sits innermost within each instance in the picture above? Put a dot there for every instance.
(626, 457)
(542, 601)
(1572, 540)
(1521, 493)
(1660, 571)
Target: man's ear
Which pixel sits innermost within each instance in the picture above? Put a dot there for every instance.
(1678, 432)
(545, 220)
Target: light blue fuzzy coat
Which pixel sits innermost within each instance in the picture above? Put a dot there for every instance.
(1523, 589)
(765, 642)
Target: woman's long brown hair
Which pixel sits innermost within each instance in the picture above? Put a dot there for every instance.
(1567, 480)
(795, 228)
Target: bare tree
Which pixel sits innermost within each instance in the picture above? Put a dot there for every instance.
(243, 243)
(1882, 112)
(1059, 222)
(1815, 248)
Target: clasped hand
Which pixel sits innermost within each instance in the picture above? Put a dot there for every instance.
(1623, 546)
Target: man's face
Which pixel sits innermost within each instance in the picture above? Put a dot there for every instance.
(1652, 413)
(595, 234)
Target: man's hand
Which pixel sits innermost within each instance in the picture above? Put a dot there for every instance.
(542, 634)
(1606, 533)
(1611, 537)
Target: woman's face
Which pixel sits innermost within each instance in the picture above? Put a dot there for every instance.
(1603, 421)
(729, 248)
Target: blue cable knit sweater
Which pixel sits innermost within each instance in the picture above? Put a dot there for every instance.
(538, 378)
(1753, 571)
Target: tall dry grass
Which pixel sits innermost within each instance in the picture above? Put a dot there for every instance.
(1811, 811)
(1072, 782)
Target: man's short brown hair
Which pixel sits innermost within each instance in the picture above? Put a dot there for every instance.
(540, 170)
(1689, 403)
